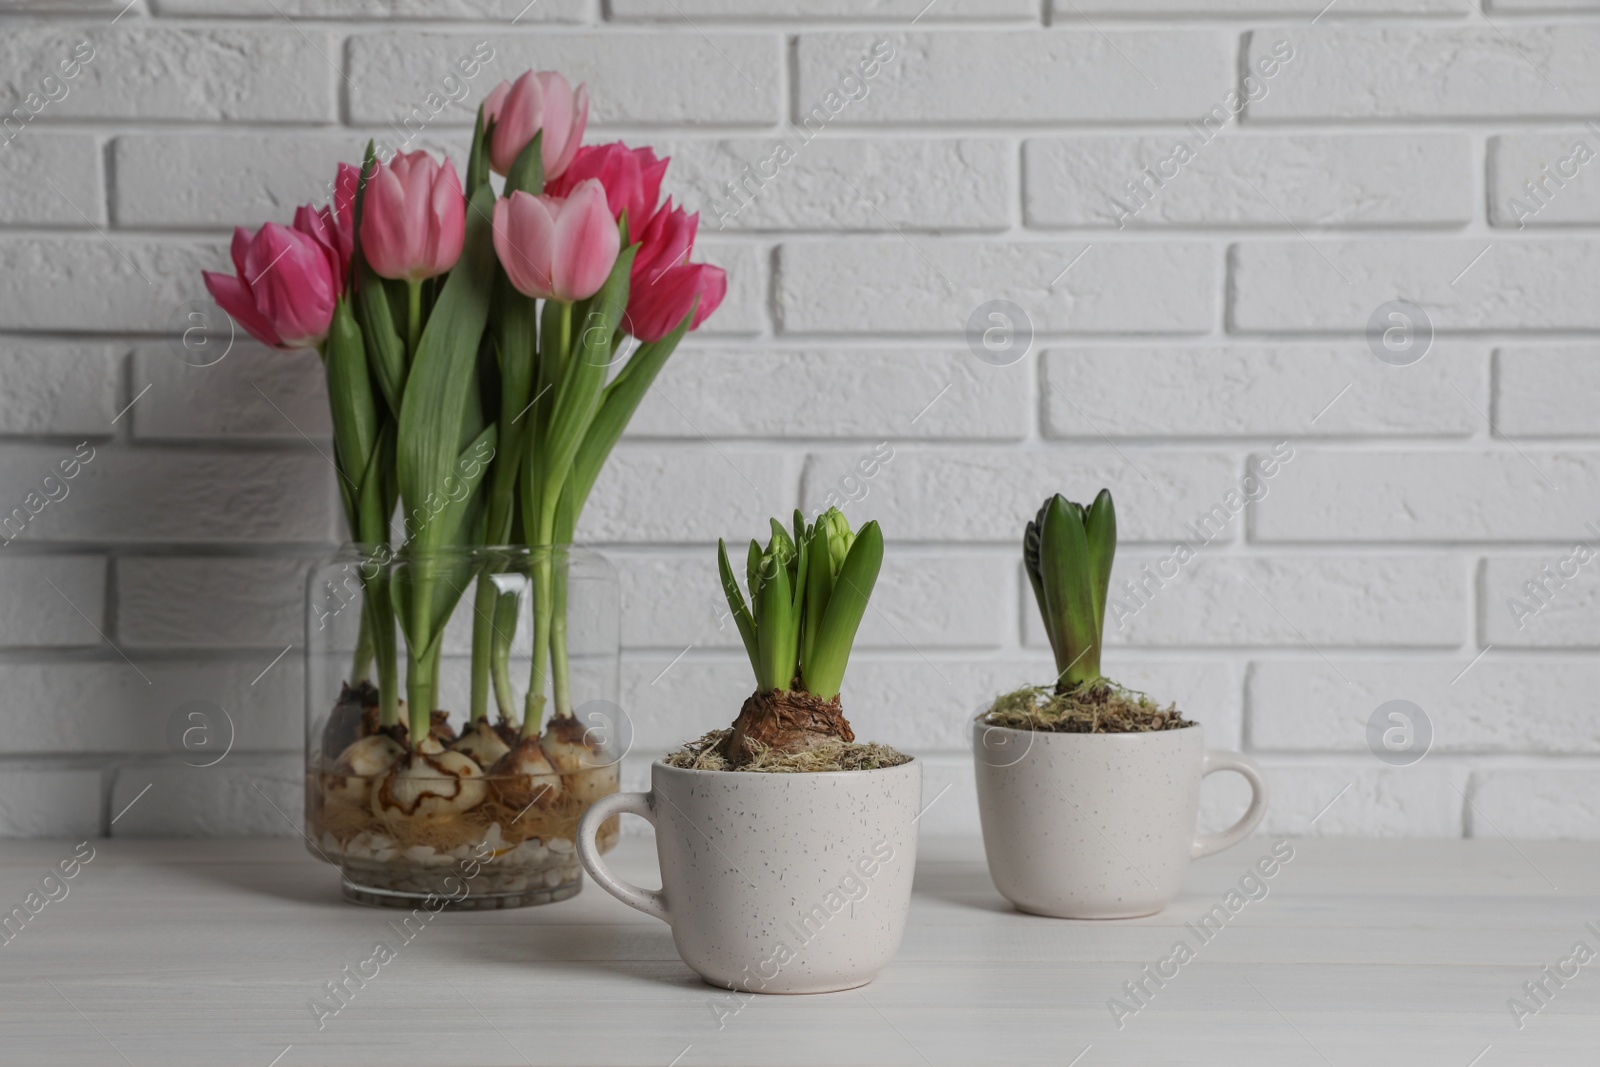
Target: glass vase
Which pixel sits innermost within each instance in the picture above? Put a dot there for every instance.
(513, 652)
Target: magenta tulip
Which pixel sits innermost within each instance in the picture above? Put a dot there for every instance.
(665, 241)
(285, 290)
(664, 284)
(554, 248)
(539, 100)
(655, 310)
(414, 218)
(332, 235)
(631, 176)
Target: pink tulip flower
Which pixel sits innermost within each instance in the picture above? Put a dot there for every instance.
(541, 100)
(414, 218)
(656, 309)
(285, 290)
(333, 236)
(664, 284)
(554, 248)
(664, 241)
(632, 177)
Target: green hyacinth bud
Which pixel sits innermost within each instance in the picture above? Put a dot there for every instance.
(838, 537)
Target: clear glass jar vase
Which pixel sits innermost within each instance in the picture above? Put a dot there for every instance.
(513, 653)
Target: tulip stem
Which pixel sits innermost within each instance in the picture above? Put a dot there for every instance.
(413, 316)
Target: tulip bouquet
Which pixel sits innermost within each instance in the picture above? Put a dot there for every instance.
(808, 594)
(484, 349)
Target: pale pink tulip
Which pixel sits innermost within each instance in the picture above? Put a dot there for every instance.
(554, 248)
(413, 218)
(539, 100)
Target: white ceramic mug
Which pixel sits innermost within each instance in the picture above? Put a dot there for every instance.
(1099, 826)
(774, 883)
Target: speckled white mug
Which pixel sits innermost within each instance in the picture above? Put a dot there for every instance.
(774, 883)
(1099, 826)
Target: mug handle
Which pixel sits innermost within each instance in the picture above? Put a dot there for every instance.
(1207, 844)
(650, 901)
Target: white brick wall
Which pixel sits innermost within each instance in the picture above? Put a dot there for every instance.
(1182, 319)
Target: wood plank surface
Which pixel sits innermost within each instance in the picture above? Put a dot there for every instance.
(1361, 954)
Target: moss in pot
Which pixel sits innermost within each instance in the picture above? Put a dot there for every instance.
(1088, 792)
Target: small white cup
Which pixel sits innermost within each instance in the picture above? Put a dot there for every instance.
(774, 883)
(1099, 826)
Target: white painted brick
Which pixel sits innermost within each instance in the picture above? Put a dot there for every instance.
(1439, 496)
(131, 496)
(1066, 10)
(1024, 76)
(90, 281)
(217, 179)
(253, 393)
(1296, 285)
(1359, 180)
(144, 70)
(32, 158)
(1564, 614)
(243, 796)
(112, 706)
(55, 387)
(1404, 602)
(922, 286)
(694, 696)
(649, 494)
(1543, 803)
(921, 601)
(52, 600)
(1415, 801)
(62, 7)
(884, 10)
(1546, 391)
(1377, 72)
(946, 494)
(1563, 190)
(210, 602)
(914, 702)
(865, 393)
(843, 184)
(1263, 390)
(48, 801)
(701, 80)
(744, 309)
(951, 807)
(1524, 6)
(1310, 705)
(487, 10)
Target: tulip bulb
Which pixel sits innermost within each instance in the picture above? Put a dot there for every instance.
(482, 743)
(431, 784)
(586, 773)
(525, 777)
(358, 766)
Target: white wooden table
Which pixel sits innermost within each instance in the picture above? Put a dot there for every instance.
(170, 953)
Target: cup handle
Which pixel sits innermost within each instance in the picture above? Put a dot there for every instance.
(650, 901)
(1207, 844)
